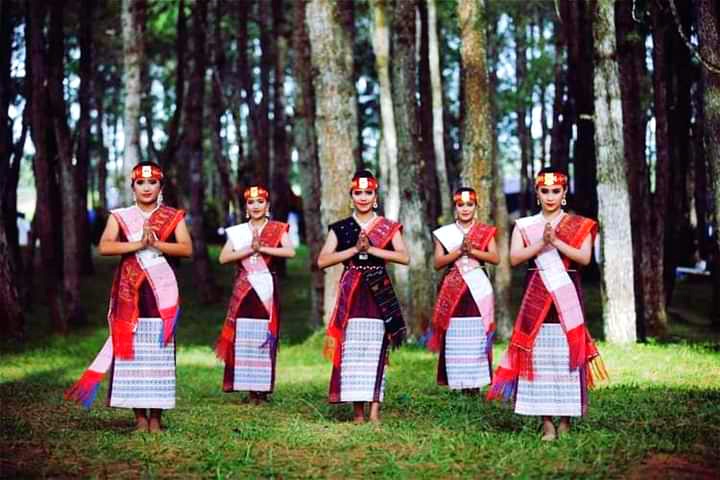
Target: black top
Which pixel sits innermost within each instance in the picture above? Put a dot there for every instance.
(347, 232)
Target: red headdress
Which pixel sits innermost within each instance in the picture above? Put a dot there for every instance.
(146, 172)
(364, 183)
(256, 192)
(550, 179)
(465, 195)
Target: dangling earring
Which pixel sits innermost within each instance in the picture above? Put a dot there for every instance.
(563, 202)
(160, 199)
(267, 213)
(538, 201)
(247, 214)
(375, 205)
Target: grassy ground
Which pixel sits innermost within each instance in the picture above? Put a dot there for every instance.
(658, 416)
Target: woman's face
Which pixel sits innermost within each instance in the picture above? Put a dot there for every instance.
(550, 197)
(465, 211)
(147, 190)
(257, 207)
(363, 199)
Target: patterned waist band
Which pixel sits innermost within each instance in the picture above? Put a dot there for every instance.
(363, 268)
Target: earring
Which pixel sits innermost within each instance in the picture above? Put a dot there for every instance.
(267, 213)
(538, 202)
(247, 214)
(375, 205)
(160, 199)
(563, 202)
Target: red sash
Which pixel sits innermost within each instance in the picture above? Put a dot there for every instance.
(380, 234)
(125, 293)
(270, 236)
(536, 303)
(453, 287)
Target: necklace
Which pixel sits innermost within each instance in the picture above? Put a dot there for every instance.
(145, 214)
(364, 224)
(463, 229)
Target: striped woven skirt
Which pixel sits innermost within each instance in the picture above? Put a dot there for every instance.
(466, 360)
(554, 390)
(362, 368)
(253, 366)
(148, 380)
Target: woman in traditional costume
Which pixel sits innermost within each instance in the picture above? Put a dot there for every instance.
(463, 323)
(249, 338)
(551, 360)
(144, 304)
(367, 317)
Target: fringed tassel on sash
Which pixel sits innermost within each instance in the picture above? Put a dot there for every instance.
(349, 282)
(85, 389)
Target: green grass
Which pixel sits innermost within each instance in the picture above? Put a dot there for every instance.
(658, 415)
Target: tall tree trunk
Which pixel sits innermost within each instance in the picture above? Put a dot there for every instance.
(381, 47)
(614, 207)
(437, 111)
(633, 79)
(243, 75)
(217, 110)
(336, 119)
(83, 129)
(478, 131)
(12, 320)
(102, 150)
(74, 311)
(429, 171)
(523, 132)
(709, 34)
(346, 15)
(678, 237)
(562, 125)
(169, 155)
(193, 149)
(653, 242)
(580, 42)
(281, 159)
(502, 281)
(267, 66)
(415, 284)
(44, 165)
(133, 27)
(305, 139)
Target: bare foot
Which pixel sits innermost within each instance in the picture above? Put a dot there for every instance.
(548, 431)
(564, 427)
(155, 426)
(141, 425)
(359, 419)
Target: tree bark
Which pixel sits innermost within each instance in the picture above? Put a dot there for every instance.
(477, 127)
(267, 66)
(193, 149)
(414, 284)
(133, 27)
(280, 183)
(346, 15)
(305, 139)
(246, 158)
(633, 79)
(580, 84)
(438, 127)
(523, 132)
(102, 150)
(502, 282)
(44, 165)
(12, 320)
(381, 47)
(653, 242)
(74, 311)
(336, 110)
(614, 202)
(561, 126)
(217, 110)
(169, 155)
(709, 34)
(429, 171)
(83, 134)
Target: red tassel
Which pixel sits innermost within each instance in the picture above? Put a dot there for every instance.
(85, 389)
(576, 343)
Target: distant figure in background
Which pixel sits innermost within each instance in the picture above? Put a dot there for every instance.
(551, 360)
(463, 323)
(144, 305)
(249, 338)
(367, 317)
